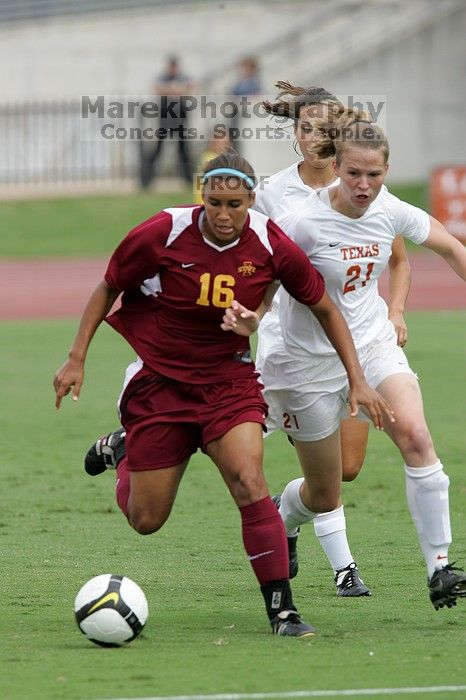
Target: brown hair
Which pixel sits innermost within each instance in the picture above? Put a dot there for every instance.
(231, 159)
(291, 98)
(351, 128)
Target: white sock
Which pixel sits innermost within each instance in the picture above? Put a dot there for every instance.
(427, 494)
(293, 511)
(330, 529)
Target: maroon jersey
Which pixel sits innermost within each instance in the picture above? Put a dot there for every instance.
(177, 285)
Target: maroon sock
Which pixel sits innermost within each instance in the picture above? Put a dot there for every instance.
(122, 485)
(265, 540)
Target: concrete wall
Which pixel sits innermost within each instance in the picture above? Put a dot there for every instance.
(121, 53)
(422, 76)
(424, 80)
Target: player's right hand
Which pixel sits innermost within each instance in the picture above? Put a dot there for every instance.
(69, 376)
(401, 329)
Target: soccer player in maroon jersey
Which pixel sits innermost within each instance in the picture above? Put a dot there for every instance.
(194, 384)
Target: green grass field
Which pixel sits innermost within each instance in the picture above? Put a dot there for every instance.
(207, 632)
(95, 225)
(76, 227)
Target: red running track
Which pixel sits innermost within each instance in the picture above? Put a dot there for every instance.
(59, 288)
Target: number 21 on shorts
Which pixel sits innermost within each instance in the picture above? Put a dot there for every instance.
(290, 421)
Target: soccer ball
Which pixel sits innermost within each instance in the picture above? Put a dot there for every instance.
(111, 610)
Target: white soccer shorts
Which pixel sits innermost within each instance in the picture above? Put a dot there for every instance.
(315, 400)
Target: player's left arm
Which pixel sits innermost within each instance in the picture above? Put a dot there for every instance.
(399, 284)
(446, 245)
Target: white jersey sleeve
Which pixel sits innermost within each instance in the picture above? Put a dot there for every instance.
(280, 192)
(351, 254)
(264, 199)
(409, 221)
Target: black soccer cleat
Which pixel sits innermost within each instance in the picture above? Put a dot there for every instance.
(349, 584)
(106, 453)
(445, 586)
(288, 623)
(293, 564)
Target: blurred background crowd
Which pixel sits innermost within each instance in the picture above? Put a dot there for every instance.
(405, 61)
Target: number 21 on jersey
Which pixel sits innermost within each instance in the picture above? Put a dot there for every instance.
(354, 274)
(217, 291)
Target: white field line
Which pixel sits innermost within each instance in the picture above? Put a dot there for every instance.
(311, 693)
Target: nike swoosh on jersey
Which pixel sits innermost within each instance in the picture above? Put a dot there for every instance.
(106, 598)
(332, 245)
(187, 264)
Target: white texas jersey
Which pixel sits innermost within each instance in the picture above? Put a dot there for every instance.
(351, 254)
(276, 197)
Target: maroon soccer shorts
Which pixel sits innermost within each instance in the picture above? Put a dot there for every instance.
(167, 421)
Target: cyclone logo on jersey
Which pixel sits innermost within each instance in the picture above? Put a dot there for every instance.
(247, 269)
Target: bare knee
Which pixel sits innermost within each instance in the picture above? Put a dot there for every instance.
(248, 487)
(351, 469)
(415, 443)
(147, 523)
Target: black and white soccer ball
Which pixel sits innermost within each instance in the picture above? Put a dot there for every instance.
(111, 610)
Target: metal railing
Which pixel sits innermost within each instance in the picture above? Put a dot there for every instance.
(48, 142)
(40, 142)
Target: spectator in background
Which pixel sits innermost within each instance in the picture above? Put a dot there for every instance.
(248, 83)
(172, 86)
